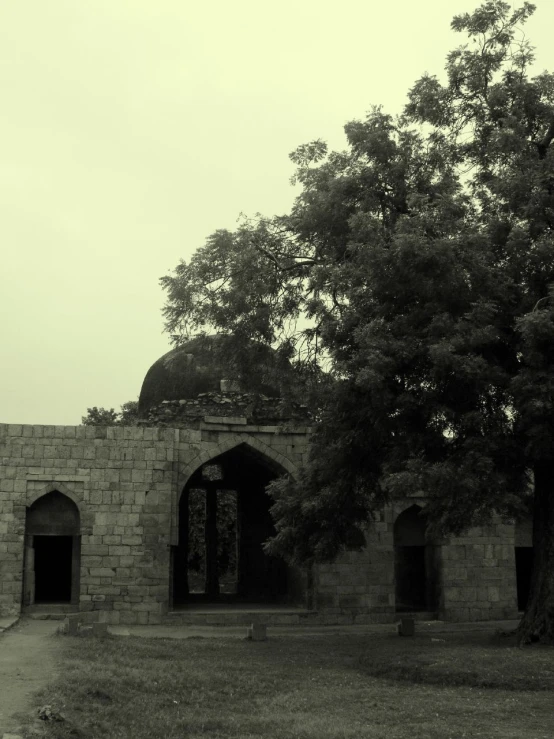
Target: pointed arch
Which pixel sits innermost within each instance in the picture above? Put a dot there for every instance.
(55, 487)
(409, 527)
(248, 465)
(275, 460)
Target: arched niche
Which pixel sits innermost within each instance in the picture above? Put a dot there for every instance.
(52, 550)
(415, 563)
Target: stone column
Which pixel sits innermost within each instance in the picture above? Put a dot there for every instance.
(181, 556)
(29, 573)
(211, 587)
(75, 569)
(242, 551)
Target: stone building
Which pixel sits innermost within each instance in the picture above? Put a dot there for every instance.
(100, 520)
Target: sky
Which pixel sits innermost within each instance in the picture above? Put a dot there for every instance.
(131, 130)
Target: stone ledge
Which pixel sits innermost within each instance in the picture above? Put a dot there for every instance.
(280, 429)
(226, 420)
(57, 478)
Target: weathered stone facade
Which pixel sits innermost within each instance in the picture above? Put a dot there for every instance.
(99, 517)
(126, 481)
(474, 576)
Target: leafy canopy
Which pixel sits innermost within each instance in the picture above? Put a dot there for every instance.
(410, 288)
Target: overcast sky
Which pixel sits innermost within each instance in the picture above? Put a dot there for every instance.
(132, 129)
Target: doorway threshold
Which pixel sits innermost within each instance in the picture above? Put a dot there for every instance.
(417, 615)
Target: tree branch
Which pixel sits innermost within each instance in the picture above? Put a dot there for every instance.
(538, 303)
(543, 145)
(282, 268)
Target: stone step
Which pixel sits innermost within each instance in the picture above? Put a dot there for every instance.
(238, 618)
(418, 615)
(46, 616)
(196, 616)
(50, 611)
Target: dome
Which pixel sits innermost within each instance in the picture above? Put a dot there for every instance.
(197, 366)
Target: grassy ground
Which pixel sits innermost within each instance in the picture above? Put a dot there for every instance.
(324, 686)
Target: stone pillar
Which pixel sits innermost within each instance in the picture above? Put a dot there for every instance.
(75, 569)
(211, 587)
(29, 573)
(181, 553)
(241, 545)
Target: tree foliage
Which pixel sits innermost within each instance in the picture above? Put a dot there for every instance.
(415, 270)
(127, 416)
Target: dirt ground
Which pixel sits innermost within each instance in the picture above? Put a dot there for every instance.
(27, 664)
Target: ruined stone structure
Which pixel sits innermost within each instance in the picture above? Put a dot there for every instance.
(99, 519)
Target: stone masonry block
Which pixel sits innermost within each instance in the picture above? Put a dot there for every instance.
(257, 632)
(71, 624)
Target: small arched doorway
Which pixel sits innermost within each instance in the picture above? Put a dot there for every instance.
(52, 551)
(414, 563)
(224, 520)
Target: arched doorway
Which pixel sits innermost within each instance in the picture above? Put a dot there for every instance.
(52, 551)
(414, 563)
(224, 520)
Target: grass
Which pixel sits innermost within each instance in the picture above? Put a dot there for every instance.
(475, 659)
(299, 686)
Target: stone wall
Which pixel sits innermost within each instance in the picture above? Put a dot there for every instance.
(359, 586)
(121, 481)
(475, 575)
(126, 483)
(479, 575)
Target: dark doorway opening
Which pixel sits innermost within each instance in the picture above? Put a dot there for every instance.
(53, 568)
(524, 567)
(409, 564)
(415, 564)
(224, 520)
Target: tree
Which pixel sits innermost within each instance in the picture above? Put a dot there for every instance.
(127, 416)
(412, 286)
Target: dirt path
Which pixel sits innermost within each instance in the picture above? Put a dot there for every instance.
(27, 663)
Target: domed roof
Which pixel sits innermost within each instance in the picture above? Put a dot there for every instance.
(198, 366)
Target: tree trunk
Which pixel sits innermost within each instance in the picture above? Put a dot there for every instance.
(537, 623)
